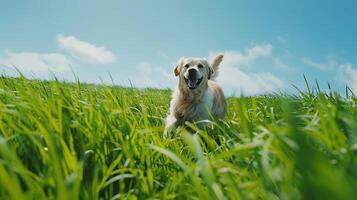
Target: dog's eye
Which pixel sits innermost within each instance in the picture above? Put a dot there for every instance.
(200, 66)
(187, 65)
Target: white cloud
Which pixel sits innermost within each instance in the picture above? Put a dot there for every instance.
(234, 80)
(343, 72)
(235, 77)
(333, 69)
(349, 76)
(85, 51)
(329, 65)
(36, 62)
(40, 64)
(148, 75)
(246, 58)
(249, 55)
(280, 64)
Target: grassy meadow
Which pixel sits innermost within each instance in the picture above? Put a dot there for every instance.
(78, 141)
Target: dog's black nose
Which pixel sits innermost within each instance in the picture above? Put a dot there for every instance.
(191, 74)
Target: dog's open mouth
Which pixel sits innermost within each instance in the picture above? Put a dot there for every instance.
(193, 83)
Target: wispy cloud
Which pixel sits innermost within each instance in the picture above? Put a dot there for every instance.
(349, 76)
(36, 62)
(329, 65)
(282, 39)
(58, 62)
(42, 63)
(149, 75)
(343, 72)
(235, 80)
(248, 56)
(85, 51)
(280, 64)
(236, 77)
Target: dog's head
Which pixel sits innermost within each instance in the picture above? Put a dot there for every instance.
(195, 72)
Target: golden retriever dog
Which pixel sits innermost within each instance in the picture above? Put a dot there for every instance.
(197, 96)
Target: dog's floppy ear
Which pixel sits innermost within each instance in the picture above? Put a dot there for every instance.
(216, 61)
(213, 69)
(177, 67)
(176, 70)
(210, 72)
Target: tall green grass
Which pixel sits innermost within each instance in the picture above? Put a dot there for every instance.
(77, 141)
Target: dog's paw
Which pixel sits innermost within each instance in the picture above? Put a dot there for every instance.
(169, 132)
(170, 125)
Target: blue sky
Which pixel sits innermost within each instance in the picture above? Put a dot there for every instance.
(268, 46)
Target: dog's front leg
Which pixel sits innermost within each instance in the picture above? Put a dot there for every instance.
(170, 125)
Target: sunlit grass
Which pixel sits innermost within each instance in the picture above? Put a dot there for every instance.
(77, 141)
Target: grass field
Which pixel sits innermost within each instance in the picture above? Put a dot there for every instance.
(78, 141)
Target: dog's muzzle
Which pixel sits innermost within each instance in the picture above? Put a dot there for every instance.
(192, 81)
